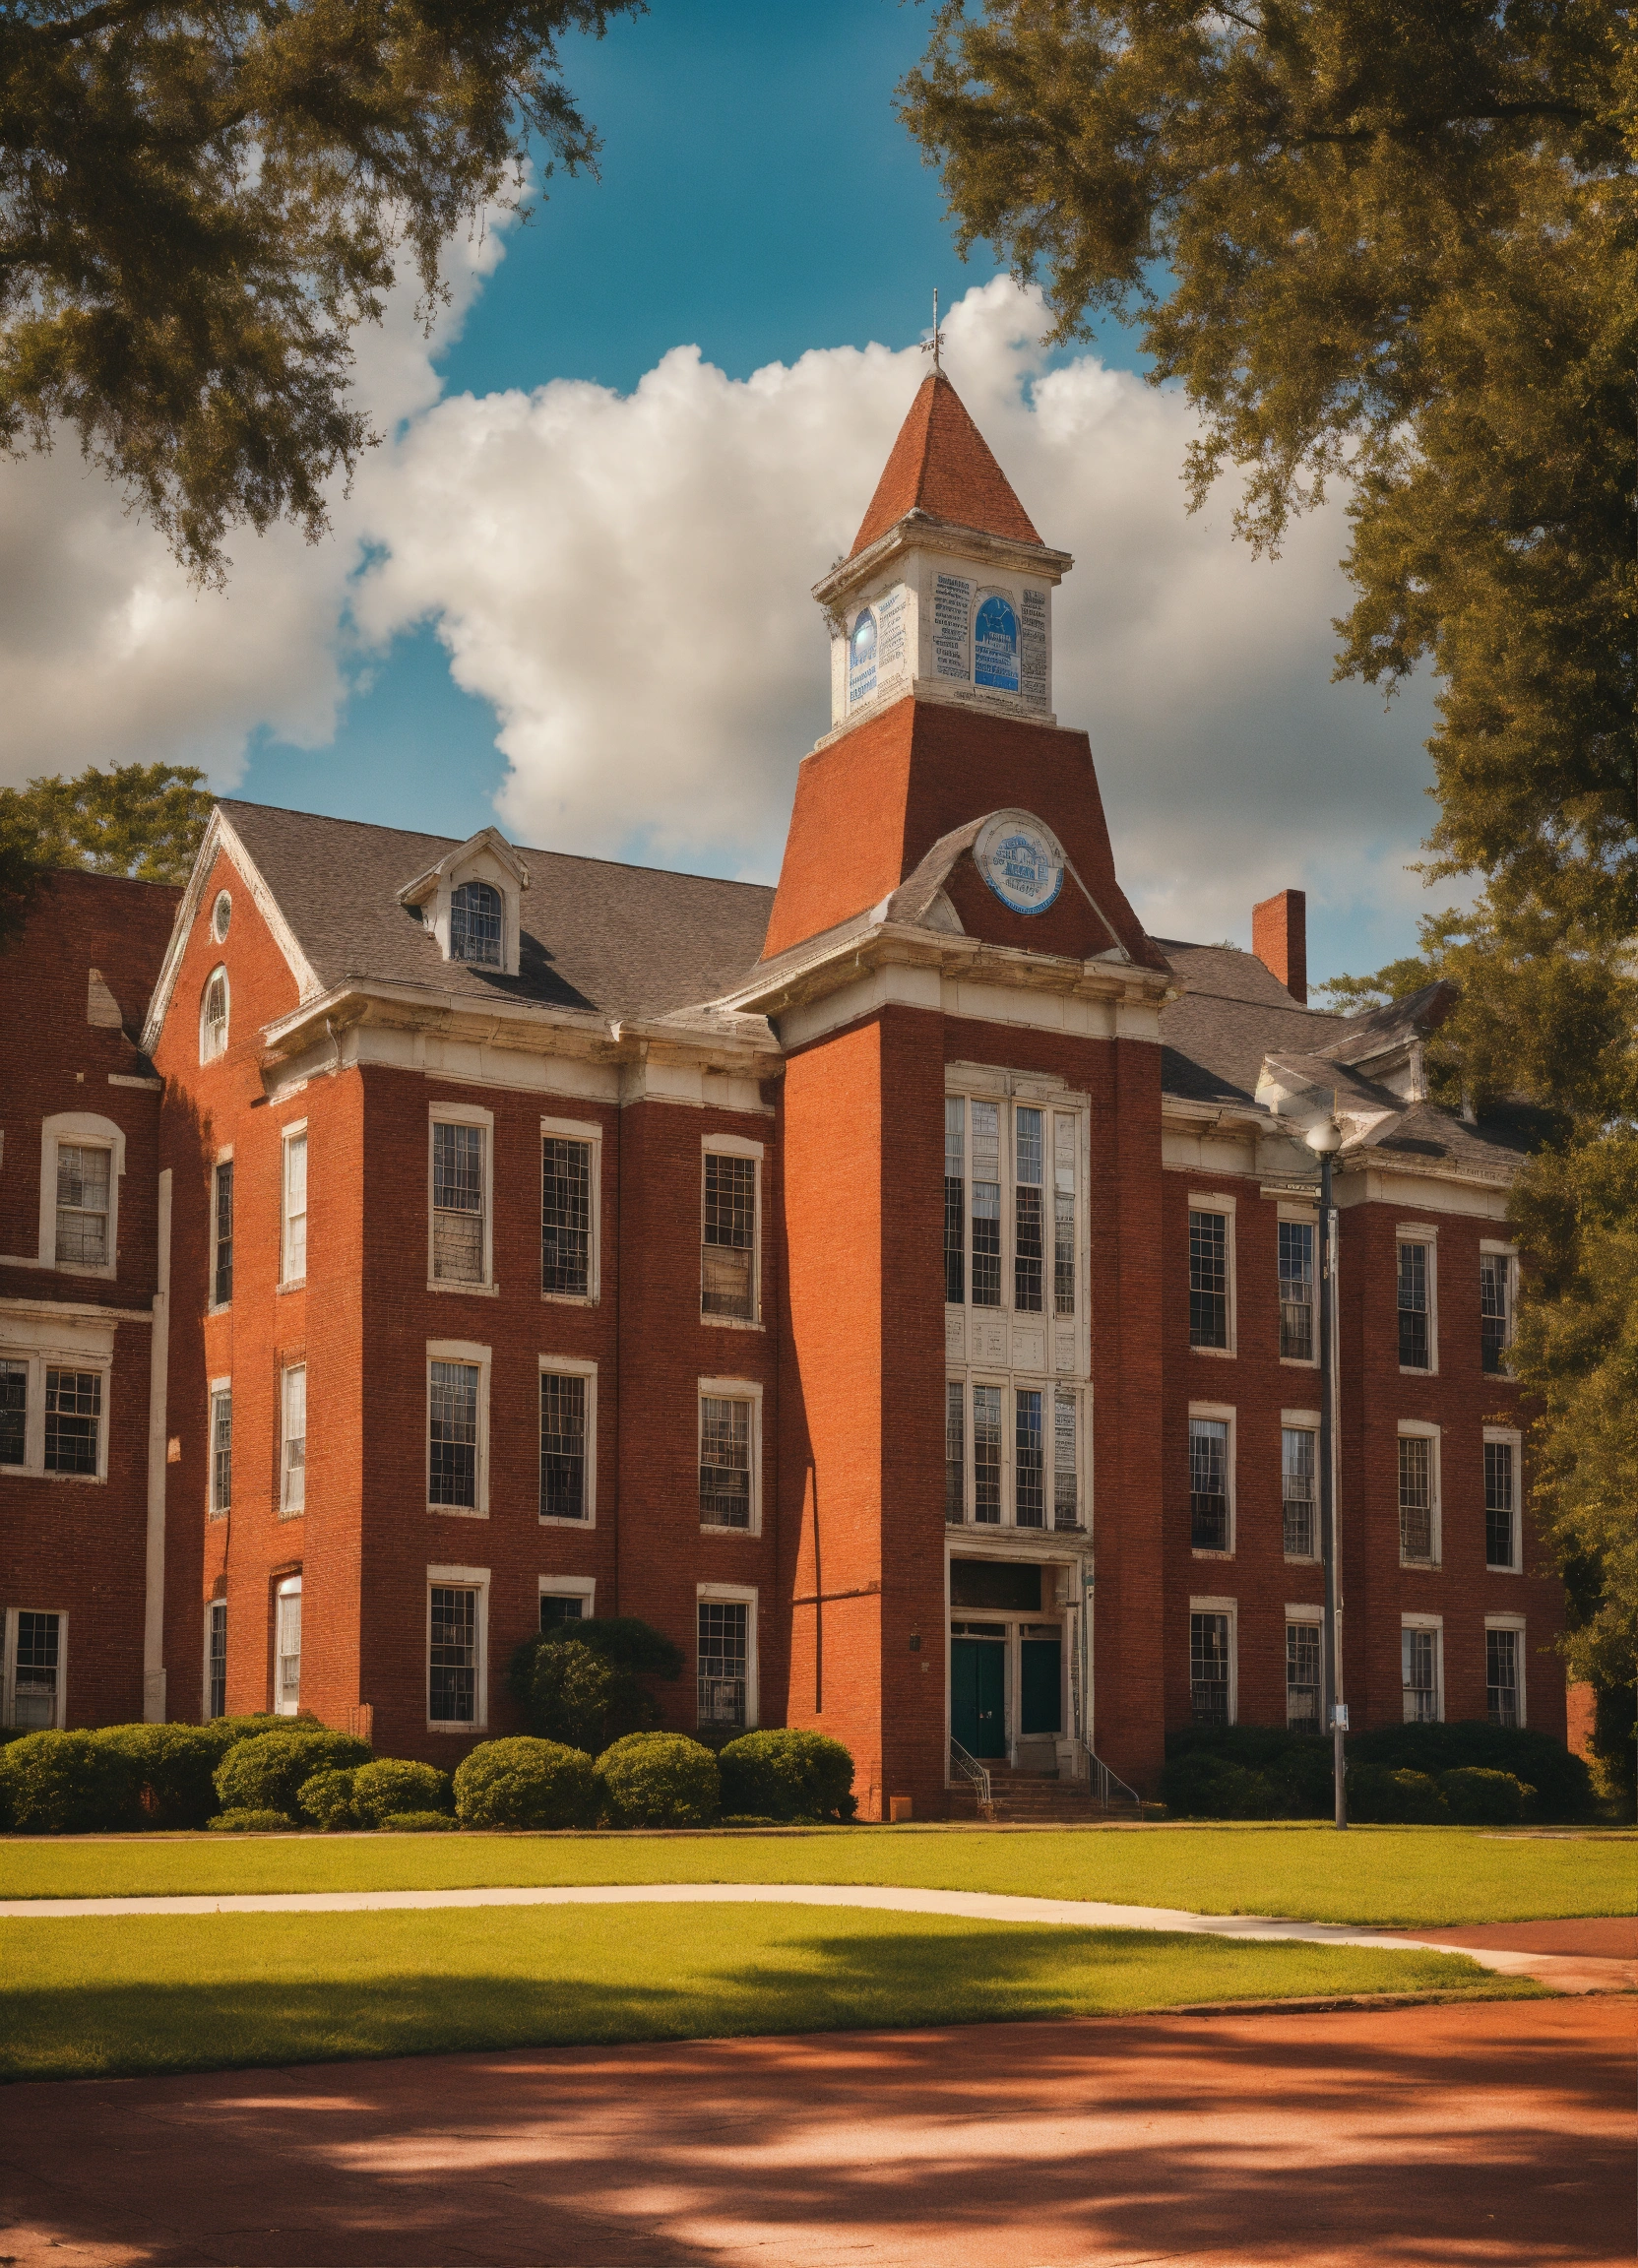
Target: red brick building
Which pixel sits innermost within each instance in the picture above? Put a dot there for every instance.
(897, 1285)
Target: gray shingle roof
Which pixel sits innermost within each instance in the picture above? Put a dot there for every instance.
(622, 940)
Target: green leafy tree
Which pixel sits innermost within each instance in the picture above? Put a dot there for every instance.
(144, 820)
(198, 205)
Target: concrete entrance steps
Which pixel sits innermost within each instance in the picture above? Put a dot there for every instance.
(1032, 1799)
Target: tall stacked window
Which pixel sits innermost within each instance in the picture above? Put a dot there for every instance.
(1419, 1674)
(1296, 1290)
(14, 1412)
(1066, 1469)
(724, 1659)
(1502, 1677)
(215, 1663)
(955, 1451)
(562, 1446)
(1415, 1343)
(221, 1450)
(565, 1216)
(1208, 1668)
(457, 1204)
(287, 1690)
(1209, 1484)
(1063, 1214)
(1029, 1475)
(83, 1180)
(724, 1462)
(1208, 1280)
(293, 1496)
(452, 1682)
(453, 1434)
(987, 1454)
(1297, 1486)
(986, 1205)
(1499, 1534)
(728, 1274)
(222, 1279)
(293, 1253)
(1415, 1500)
(954, 1200)
(1302, 1675)
(1495, 1321)
(1029, 1218)
(35, 1671)
(73, 1421)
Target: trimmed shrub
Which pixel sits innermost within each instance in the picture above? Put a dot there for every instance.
(394, 1785)
(248, 1820)
(227, 1731)
(267, 1772)
(526, 1782)
(1246, 1771)
(68, 1783)
(1205, 1787)
(566, 1692)
(327, 1799)
(173, 1765)
(1561, 1781)
(1480, 1799)
(418, 1823)
(788, 1775)
(562, 1696)
(1290, 1772)
(659, 1780)
(1381, 1798)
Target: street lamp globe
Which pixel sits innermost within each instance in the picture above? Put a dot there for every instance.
(1325, 1137)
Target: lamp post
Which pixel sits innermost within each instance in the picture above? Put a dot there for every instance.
(1325, 1139)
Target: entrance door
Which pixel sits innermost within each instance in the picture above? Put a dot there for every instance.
(977, 1686)
(1041, 1678)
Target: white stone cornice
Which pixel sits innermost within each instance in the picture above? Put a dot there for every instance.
(919, 531)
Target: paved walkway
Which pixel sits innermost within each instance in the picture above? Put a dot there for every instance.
(1566, 1973)
(1497, 2134)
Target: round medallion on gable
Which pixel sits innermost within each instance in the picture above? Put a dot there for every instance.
(1021, 860)
(221, 913)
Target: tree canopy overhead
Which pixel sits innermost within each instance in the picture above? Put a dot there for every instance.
(200, 200)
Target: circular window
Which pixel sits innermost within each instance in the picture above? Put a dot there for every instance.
(222, 913)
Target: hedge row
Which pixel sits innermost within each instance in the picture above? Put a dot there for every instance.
(1470, 1772)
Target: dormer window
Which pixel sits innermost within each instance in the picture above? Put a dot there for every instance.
(475, 923)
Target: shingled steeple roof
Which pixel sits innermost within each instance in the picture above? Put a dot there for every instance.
(942, 465)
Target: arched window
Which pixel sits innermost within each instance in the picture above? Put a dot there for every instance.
(213, 1017)
(995, 646)
(475, 923)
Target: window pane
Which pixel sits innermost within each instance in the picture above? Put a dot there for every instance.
(566, 1217)
(287, 1684)
(452, 1697)
(295, 1440)
(987, 1453)
(1416, 1499)
(1208, 1668)
(458, 1204)
(296, 1209)
(83, 1182)
(221, 1288)
(955, 1199)
(216, 1704)
(723, 1655)
(1063, 1214)
(1029, 1477)
(1502, 1677)
(213, 1018)
(1209, 1484)
(1499, 1504)
(986, 1205)
(454, 1435)
(1296, 1289)
(1298, 1446)
(222, 1452)
(1493, 1320)
(1420, 1660)
(558, 1608)
(1208, 1280)
(562, 1446)
(1302, 1675)
(725, 1463)
(955, 1450)
(1066, 1475)
(35, 1676)
(14, 1412)
(1412, 1307)
(1029, 1225)
(73, 1419)
(474, 925)
(725, 1254)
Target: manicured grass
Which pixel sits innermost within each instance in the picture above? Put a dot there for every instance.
(1389, 1876)
(104, 1997)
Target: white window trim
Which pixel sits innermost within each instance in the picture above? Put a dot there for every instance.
(217, 1387)
(1490, 1248)
(67, 1356)
(286, 1510)
(1222, 1412)
(1210, 1201)
(579, 1130)
(748, 1593)
(462, 1578)
(81, 1129)
(571, 1366)
(1305, 1612)
(1414, 1233)
(213, 1306)
(210, 1606)
(288, 1135)
(287, 1587)
(8, 1691)
(734, 1145)
(1513, 1622)
(584, 1587)
(1313, 1618)
(1436, 1623)
(969, 1083)
(732, 1390)
(220, 969)
(1305, 1215)
(1514, 1438)
(459, 1350)
(1231, 1608)
(1422, 1429)
(464, 1114)
(1304, 1421)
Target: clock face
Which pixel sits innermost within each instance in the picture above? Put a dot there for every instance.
(864, 638)
(995, 646)
(1021, 860)
(861, 657)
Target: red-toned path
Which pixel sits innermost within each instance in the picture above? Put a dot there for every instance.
(1486, 2134)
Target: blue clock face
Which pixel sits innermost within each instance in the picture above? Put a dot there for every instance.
(864, 638)
(1021, 860)
(995, 646)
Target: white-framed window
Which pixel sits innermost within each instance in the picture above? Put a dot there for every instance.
(457, 1427)
(1212, 1445)
(1300, 1482)
(730, 1455)
(571, 1209)
(221, 1447)
(1422, 1654)
(215, 1659)
(1503, 1448)
(221, 916)
(292, 1185)
(1014, 1454)
(1417, 1280)
(1212, 1274)
(1303, 1676)
(212, 1016)
(567, 1598)
(1298, 1329)
(568, 1442)
(54, 1403)
(1214, 1669)
(1504, 1669)
(477, 924)
(1498, 1286)
(36, 1689)
(1418, 1494)
(222, 1230)
(287, 1646)
(292, 1438)
(81, 1163)
(731, 1240)
(457, 1649)
(460, 1214)
(15, 1372)
(1011, 1207)
(725, 1655)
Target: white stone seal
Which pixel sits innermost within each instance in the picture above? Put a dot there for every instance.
(1021, 860)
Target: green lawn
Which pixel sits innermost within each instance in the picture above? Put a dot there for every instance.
(1412, 1877)
(104, 1997)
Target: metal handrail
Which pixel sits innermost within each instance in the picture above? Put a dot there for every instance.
(972, 1770)
(1109, 1784)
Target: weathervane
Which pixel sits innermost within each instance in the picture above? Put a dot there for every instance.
(934, 344)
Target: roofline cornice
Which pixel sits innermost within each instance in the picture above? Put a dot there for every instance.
(1358, 1155)
(885, 944)
(920, 531)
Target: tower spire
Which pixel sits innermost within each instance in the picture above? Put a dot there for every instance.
(935, 345)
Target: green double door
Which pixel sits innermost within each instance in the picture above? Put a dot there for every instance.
(978, 1686)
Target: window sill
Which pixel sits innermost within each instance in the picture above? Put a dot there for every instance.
(1299, 1361)
(473, 1290)
(1494, 1567)
(469, 1731)
(569, 1299)
(583, 1521)
(459, 1511)
(290, 1512)
(103, 1275)
(1418, 1370)
(1421, 1566)
(730, 1323)
(720, 1528)
(1216, 1353)
(221, 1307)
(39, 1473)
(1205, 1552)
(295, 1284)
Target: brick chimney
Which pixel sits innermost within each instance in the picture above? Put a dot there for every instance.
(1279, 940)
